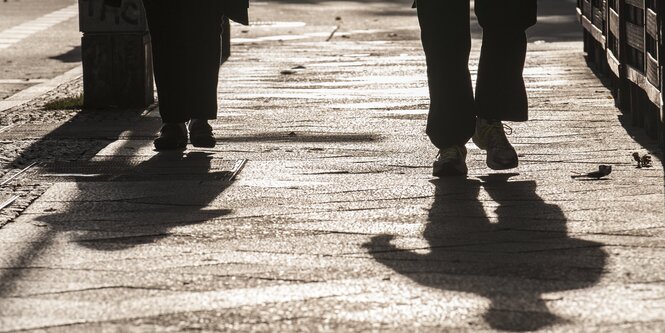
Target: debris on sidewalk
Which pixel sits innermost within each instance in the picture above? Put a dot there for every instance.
(603, 171)
(643, 161)
(333, 32)
(292, 70)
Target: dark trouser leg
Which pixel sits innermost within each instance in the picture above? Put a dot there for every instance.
(500, 91)
(446, 40)
(186, 55)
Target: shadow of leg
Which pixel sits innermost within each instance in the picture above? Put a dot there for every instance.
(510, 248)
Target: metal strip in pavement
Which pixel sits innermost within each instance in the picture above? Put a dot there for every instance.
(24, 170)
(8, 202)
(237, 167)
(20, 32)
(36, 91)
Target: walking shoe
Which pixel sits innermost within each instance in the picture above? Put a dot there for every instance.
(450, 161)
(200, 133)
(490, 136)
(172, 136)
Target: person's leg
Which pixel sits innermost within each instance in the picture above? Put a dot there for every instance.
(186, 54)
(500, 91)
(202, 53)
(163, 25)
(446, 41)
(206, 50)
(186, 51)
(159, 14)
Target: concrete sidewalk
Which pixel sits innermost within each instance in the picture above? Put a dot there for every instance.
(335, 223)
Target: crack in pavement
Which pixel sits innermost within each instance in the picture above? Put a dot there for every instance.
(64, 292)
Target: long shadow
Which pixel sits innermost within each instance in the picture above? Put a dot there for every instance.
(79, 139)
(139, 205)
(511, 259)
(119, 202)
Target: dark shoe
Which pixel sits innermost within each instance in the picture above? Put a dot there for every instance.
(491, 136)
(200, 134)
(450, 161)
(172, 136)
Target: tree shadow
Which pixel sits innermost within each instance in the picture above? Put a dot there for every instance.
(512, 258)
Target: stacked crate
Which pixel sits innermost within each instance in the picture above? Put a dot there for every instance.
(622, 38)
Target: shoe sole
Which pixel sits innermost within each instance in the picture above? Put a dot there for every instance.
(168, 146)
(491, 164)
(497, 166)
(205, 142)
(449, 171)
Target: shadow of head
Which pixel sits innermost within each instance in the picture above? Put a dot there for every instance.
(499, 239)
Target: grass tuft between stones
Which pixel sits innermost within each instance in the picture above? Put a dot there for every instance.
(66, 103)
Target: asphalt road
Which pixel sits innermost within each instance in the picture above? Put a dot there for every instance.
(34, 46)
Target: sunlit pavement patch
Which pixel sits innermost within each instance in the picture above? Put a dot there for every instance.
(332, 31)
(21, 314)
(18, 33)
(276, 183)
(372, 106)
(274, 24)
(22, 81)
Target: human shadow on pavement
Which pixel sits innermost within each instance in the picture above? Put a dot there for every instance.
(131, 201)
(511, 259)
(140, 204)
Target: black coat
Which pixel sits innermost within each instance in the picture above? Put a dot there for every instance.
(236, 10)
